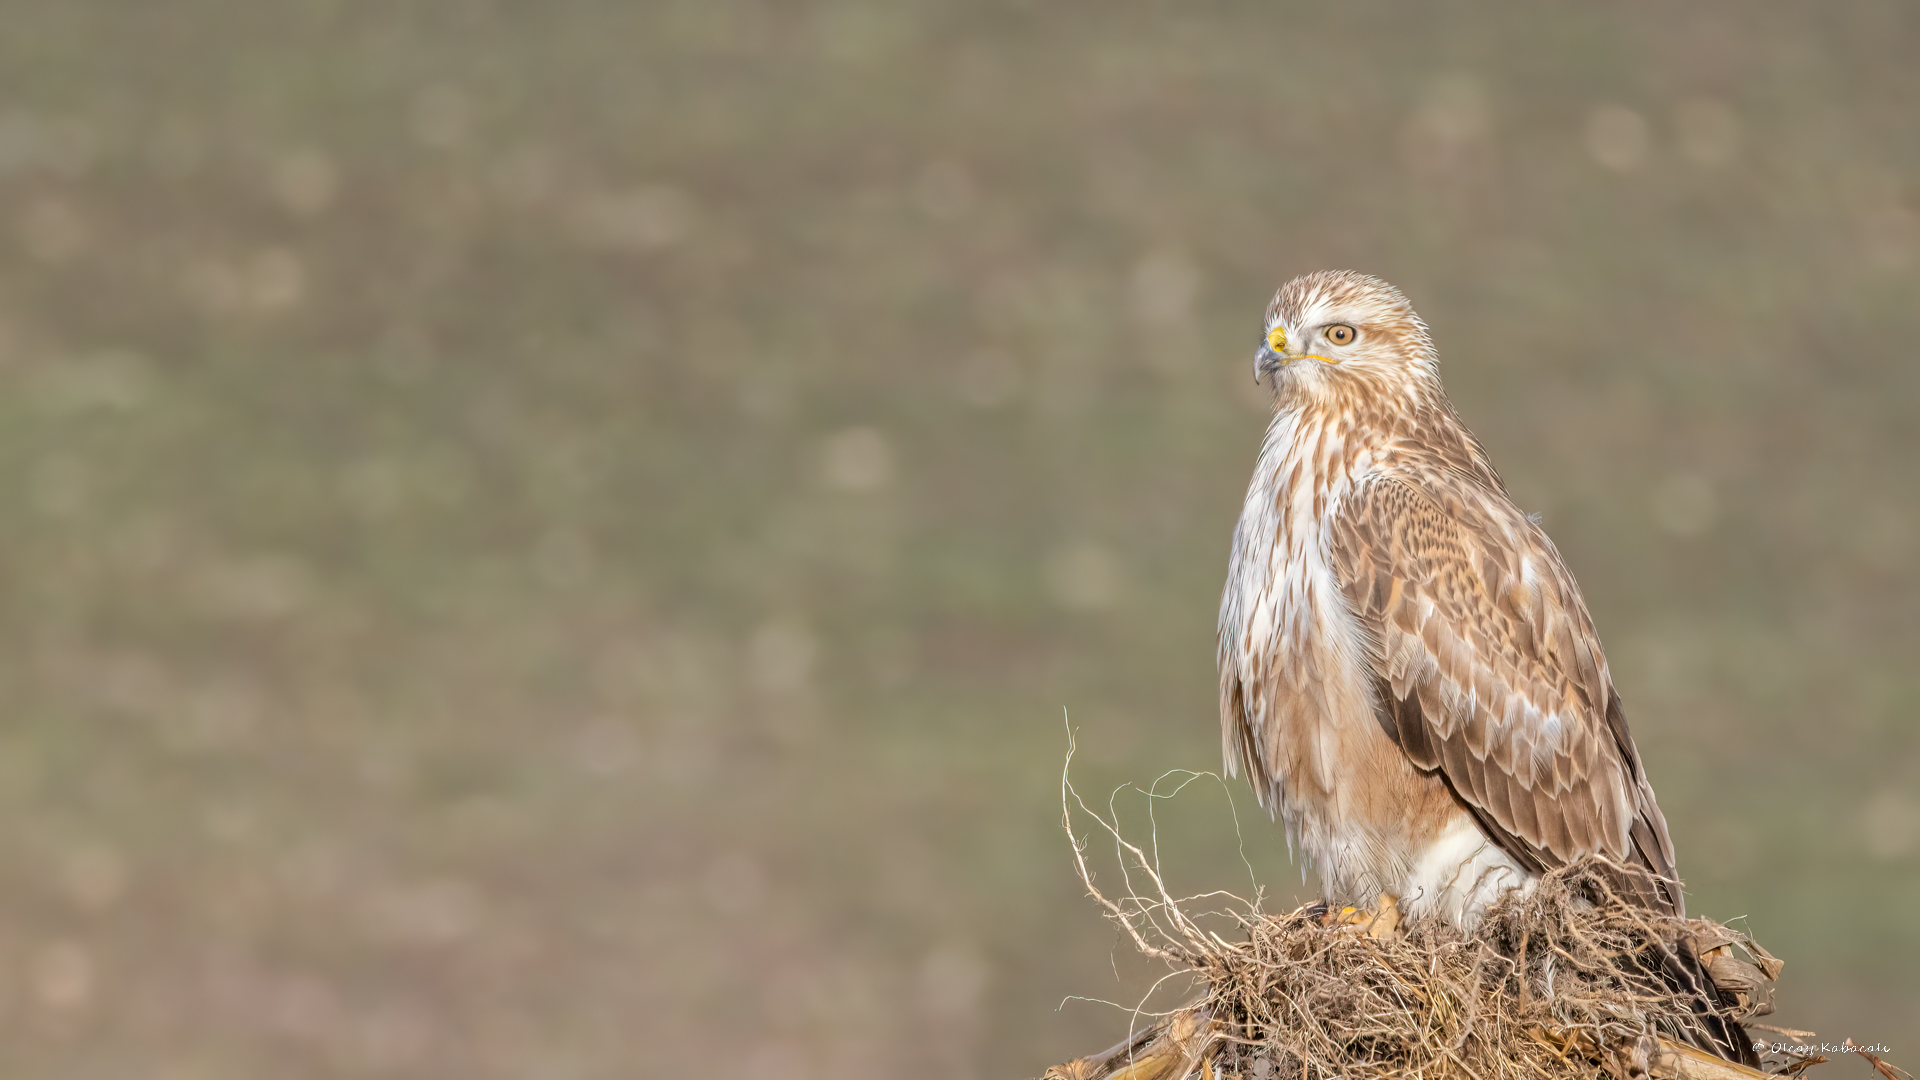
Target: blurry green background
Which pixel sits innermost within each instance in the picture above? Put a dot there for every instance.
(553, 541)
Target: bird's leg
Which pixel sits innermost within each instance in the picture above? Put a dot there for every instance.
(1384, 919)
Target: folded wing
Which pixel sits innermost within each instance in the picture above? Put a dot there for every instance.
(1488, 670)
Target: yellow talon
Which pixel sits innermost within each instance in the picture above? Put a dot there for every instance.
(1384, 919)
(1387, 920)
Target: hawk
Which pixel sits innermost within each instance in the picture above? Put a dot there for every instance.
(1408, 673)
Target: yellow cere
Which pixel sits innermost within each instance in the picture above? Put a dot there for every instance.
(1277, 339)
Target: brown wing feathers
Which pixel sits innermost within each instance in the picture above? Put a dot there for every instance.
(1489, 671)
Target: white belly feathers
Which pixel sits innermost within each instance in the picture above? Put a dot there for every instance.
(1353, 804)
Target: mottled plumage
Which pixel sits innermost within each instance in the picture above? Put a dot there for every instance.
(1407, 670)
(1408, 673)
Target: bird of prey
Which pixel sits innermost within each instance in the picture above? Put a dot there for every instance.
(1408, 673)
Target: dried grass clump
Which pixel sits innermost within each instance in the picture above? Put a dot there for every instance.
(1564, 981)
(1556, 983)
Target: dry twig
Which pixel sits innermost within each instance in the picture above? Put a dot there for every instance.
(1567, 980)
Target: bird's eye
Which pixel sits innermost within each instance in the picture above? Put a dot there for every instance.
(1277, 338)
(1341, 335)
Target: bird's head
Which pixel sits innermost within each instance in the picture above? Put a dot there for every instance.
(1332, 327)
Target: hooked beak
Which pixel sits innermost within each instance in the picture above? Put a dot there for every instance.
(1266, 362)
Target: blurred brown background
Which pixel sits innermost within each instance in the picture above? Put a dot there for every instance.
(553, 541)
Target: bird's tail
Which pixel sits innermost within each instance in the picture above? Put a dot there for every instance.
(1696, 962)
(1689, 969)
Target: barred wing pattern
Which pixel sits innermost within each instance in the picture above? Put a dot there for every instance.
(1487, 668)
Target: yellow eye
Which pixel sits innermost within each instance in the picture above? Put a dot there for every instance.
(1277, 339)
(1341, 335)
